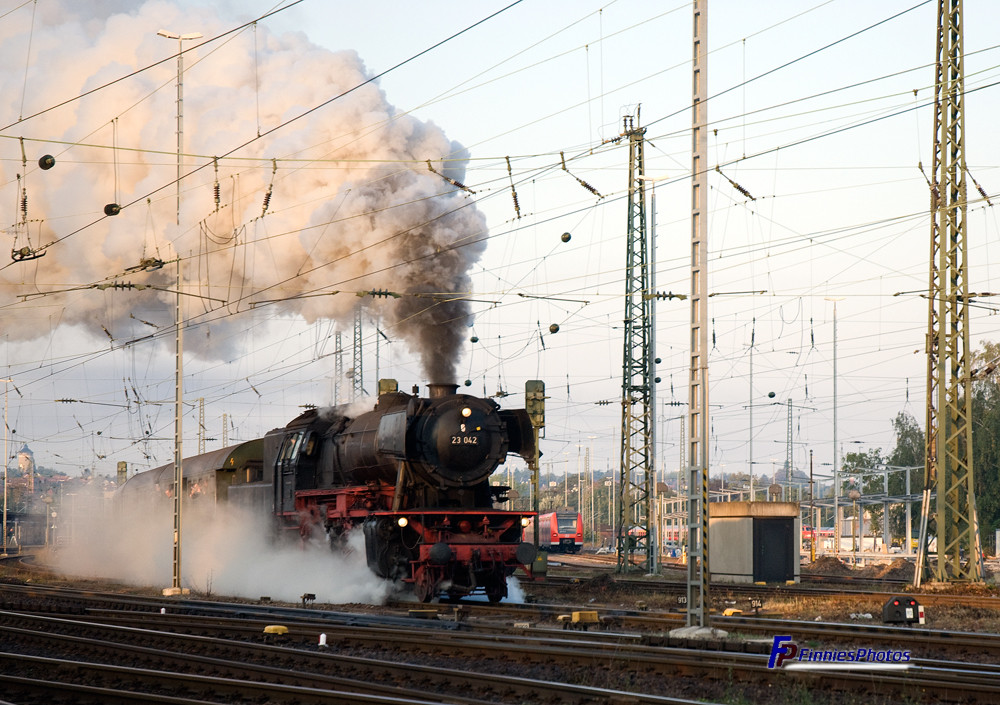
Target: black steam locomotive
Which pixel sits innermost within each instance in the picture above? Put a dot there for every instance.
(413, 474)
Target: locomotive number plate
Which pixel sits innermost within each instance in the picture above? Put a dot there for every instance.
(464, 440)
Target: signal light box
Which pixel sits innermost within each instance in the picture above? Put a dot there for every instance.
(902, 610)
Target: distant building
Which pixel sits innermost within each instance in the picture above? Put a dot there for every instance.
(26, 464)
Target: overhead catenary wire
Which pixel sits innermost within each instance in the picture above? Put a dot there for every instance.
(138, 71)
(27, 58)
(300, 115)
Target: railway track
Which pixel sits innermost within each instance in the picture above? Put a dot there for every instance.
(96, 647)
(817, 586)
(414, 660)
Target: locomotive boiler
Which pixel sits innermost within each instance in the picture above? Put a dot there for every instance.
(412, 475)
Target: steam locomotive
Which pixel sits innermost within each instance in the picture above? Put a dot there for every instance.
(413, 474)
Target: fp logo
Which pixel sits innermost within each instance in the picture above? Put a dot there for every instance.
(783, 649)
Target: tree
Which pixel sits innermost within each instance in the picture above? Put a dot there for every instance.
(909, 453)
(986, 440)
(909, 449)
(866, 483)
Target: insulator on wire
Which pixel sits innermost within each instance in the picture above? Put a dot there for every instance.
(215, 188)
(562, 158)
(982, 191)
(513, 191)
(267, 201)
(589, 187)
(379, 293)
(270, 188)
(736, 185)
(24, 204)
(453, 182)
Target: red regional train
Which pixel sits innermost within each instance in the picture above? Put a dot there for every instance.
(558, 532)
(412, 475)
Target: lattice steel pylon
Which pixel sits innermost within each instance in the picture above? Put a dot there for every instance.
(789, 465)
(201, 425)
(633, 529)
(948, 453)
(358, 378)
(338, 367)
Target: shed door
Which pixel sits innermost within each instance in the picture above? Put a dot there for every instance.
(774, 549)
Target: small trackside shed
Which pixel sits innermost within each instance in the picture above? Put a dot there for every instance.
(751, 542)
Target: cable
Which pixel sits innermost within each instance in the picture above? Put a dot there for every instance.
(27, 58)
(798, 59)
(150, 66)
(290, 121)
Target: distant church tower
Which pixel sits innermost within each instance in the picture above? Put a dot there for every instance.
(26, 464)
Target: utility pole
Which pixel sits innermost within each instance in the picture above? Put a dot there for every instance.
(812, 512)
(836, 447)
(181, 38)
(698, 575)
(948, 454)
(179, 321)
(6, 456)
(534, 404)
(634, 530)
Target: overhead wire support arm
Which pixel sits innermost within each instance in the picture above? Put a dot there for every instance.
(982, 191)
(583, 183)
(734, 184)
(120, 286)
(453, 182)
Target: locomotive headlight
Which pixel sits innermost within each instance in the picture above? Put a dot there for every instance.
(525, 522)
(466, 412)
(402, 521)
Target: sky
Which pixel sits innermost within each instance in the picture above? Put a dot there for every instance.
(453, 176)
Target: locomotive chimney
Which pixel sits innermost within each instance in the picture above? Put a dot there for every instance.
(441, 390)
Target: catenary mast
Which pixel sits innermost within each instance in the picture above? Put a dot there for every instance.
(698, 571)
(634, 527)
(948, 466)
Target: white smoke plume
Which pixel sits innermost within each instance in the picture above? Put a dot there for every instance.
(224, 552)
(353, 204)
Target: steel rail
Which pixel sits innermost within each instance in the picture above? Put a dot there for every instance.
(371, 675)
